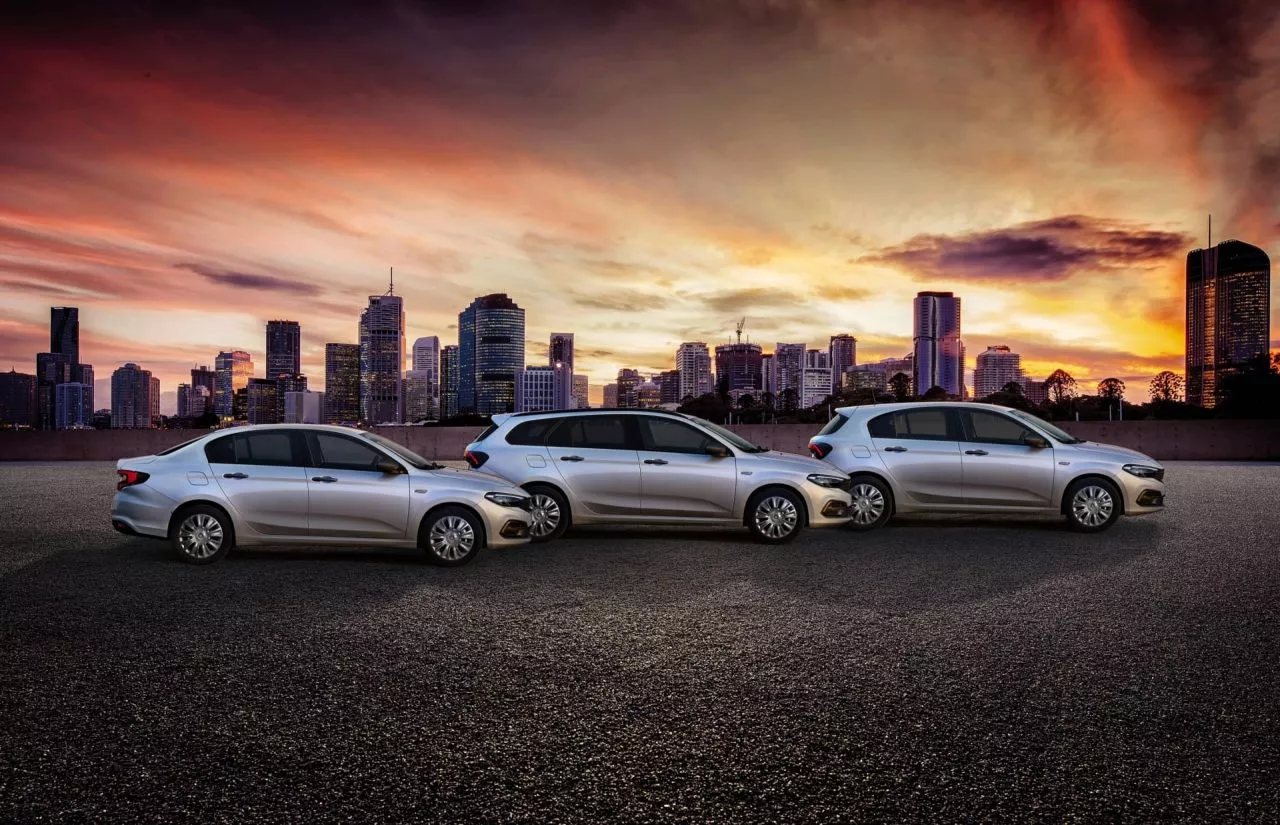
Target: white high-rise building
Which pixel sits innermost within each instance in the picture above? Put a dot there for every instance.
(382, 360)
(426, 360)
(693, 361)
(997, 366)
(304, 407)
(815, 385)
(939, 351)
(544, 388)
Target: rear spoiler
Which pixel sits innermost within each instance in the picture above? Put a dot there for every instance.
(499, 418)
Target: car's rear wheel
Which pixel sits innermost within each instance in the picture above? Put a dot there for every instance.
(1092, 505)
(550, 514)
(775, 516)
(451, 536)
(872, 503)
(202, 534)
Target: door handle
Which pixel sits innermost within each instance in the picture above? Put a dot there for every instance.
(895, 449)
(655, 461)
(234, 475)
(975, 452)
(570, 458)
(325, 479)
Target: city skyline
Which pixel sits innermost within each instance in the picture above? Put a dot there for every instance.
(182, 195)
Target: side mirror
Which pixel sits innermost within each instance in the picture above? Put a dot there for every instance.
(388, 467)
(718, 452)
(1035, 441)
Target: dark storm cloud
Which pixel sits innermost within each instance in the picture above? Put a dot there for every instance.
(1048, 250)
(249, 280)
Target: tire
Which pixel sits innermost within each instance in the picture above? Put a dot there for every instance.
(872, 503)
(550, 513)
(1092, 505)
(451, 536)
(775, 515)
(201, 534)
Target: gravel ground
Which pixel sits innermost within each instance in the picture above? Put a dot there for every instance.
(936, 671)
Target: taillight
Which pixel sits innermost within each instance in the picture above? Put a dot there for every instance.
(819, 450)
(475, 459)
(128, 478)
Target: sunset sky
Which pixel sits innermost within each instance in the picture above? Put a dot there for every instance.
(641, 174)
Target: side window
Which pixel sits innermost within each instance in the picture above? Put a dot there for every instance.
(532, 432)
(882, 426)
(591, 432)
(274, 449)
(668, 436)
(993, 428)
(835, 424)
(928, 424)
(221, 450)
(337, 452)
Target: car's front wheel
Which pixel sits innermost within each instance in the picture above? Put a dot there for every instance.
(872, 505)
(202, 534)
(775, 516)
(451, 536)
(1092, 505)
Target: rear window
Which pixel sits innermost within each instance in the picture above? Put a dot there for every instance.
(488, 431)
(221, 450)
(177, 447)
(532, 433)
(833, 425)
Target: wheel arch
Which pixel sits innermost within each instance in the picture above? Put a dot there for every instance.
(1117, 487)
(564, 494)
(775, 485)
(446, 505)
(200, 502)
(883, 479)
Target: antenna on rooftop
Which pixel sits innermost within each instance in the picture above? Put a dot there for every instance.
(392, 289)
(1210, 230)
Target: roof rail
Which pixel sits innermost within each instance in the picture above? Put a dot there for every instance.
(589, 410)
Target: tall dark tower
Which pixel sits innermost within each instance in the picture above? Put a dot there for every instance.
(1228, 314)
(284, 348)
(64, 332)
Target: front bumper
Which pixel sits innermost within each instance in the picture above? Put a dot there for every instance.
(1143, 496)
(829, 507)
(506, 526)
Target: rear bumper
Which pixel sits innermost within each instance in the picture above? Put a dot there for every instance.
(137, 513)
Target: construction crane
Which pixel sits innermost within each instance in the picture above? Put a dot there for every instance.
(742, 323)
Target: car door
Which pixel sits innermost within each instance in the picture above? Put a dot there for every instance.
(678, 477)
(261, 473)
(920, 448)
(350, 497)
(1000, 468)
(596, 456)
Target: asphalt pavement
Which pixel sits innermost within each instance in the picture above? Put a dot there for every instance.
(939, 670)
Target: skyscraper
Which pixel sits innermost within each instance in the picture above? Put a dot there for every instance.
(184, 401)
(382, 360)
(69, 406)
(669, 387)
(693, 361)
(17, 399)
(304, 408)
(609, 398)
(815, 378)
(341, 383)
(490, 354)
(581, 392)
(83, 374)
(997, 366)
(769, 373)
(561, 350)
(449, 381)
(544, 388)
(64, 332)
(789, 362)
(52, 369)
(207, 378)
(426, 363)
(419, 388)
(738, 367)
(232, 370)
(939, 352)
(628, 381)
(131, 398)
(1228, 315)
(843, 350)
(285, 384)
(284, 348)
(153, 388)
(264, 401)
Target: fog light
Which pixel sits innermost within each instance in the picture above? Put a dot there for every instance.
(1151, 498)
(835, 509)
(514, 530)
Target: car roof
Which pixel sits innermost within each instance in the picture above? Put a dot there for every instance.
(501, 418)
(876, 409)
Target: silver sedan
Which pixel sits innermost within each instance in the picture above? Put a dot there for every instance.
(313, 485)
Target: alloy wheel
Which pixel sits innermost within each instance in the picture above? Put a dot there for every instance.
(200, 536)
(546, 515)
(451, 538)
(868, 504)
(1092, 505)
(776, 517)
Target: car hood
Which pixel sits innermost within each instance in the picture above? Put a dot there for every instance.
(790, 461)
(1095, 450)
(472, 480)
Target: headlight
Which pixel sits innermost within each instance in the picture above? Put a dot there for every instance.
(1143, 471)
(841, 482)
(510, 500)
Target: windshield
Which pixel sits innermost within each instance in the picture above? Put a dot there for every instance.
(1054, 433)
(403, 452)
(730, 436)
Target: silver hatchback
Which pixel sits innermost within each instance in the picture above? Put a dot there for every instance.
(313, 485)
(652, 467)
(982, 458)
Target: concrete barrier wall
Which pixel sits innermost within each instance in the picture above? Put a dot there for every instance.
(1164, 440)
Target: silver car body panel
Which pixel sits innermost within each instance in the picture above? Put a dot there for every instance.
(626, 486)
(980, 476)
(287, 505)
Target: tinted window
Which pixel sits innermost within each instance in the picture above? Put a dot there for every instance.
(177, 447)
(594, 432)
(881, 426)
(929, 423)
(532, 432)
(995, 429)
(670, 436)
(337, 452)
(833, 425)
(270, 448)
(221, 450)
(487, 432)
